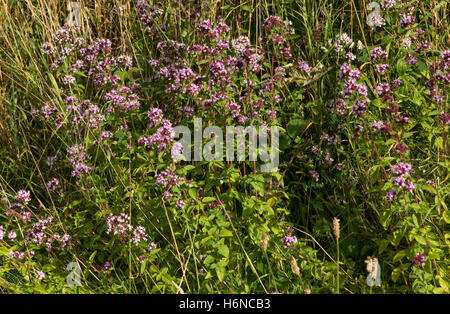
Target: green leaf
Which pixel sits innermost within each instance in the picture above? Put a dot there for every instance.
(224, 250)
(295, 127)
(208, 199)
(396, 274)
(220, 270)
(225, 233)
(399, 256)
(143, 266)
(382, 246)
(420, 239)
(446, 216)
(285, 141)
(193, 193)
(401, 67)
(91, 258)
(48, 268)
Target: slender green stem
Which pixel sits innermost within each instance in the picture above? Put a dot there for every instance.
(337, 268)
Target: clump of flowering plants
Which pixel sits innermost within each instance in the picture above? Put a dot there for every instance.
(391, 99)
(137, 206)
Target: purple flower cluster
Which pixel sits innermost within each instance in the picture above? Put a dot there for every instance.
(349, 77)
(278, 30)
(382, 89)
(77, 157)
(155, 115)
(445, 117)
(105, 135)
(39, 232)
(330, 139)
(403, 169)
(386, 4)
(407, 20)
(148, 14)
(420, 259)
(48, 111)
(208, 29)
(26, 217)
(123, 98)
(377, 126)
(410, 59)
(139, 235)
(48, 49)
(167, 179)
(12, 235)
(17, 255)
(391, 194)
(51, 184)
(176, 77)
(36, 233)
(444, 63)
(63, 241)
(23, 197)
(118, 225)
(163, 136)
(403, 183)
(338, 106)
(106, 266)
(304, 66)
(240, 45)
(40, 275)
(382, 68)
(377, 52)
(376, 21)
(314, 174)
(289, 240)
(180, 204)
(87, 112)
(441, 76)
(235, 111)
(341, 41)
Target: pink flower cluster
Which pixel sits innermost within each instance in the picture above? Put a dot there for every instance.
(289, 240)
(420, 259)
(162, 138)
(402, 169)
(167, 179)
(120, 225)
(51, 184)
(78, 155)
(148, 14)
(123, 98)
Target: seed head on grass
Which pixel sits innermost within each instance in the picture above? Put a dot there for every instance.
(264, 241)
(336, 228)
(294, 266)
